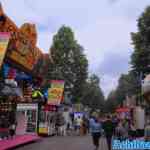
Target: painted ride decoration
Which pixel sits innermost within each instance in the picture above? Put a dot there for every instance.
(17, 62)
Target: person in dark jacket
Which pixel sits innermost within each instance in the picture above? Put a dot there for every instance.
(60, 122)
(108, 127)
(120, 132)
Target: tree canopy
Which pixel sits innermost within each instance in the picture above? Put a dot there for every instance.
(140, 58)
(93, 95)
(69, 62)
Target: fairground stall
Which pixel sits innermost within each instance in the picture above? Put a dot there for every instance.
(47, 117)
(123, 113)
(134, 115)
(146, 94)
(47, 120)
(18, 57)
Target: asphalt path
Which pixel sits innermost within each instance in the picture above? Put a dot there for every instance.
(64, 143)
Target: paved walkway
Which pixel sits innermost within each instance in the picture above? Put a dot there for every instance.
(64, 143)
(18, 140)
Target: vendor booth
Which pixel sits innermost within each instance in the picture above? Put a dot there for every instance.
(123, 113)
(48, 111)
(146, 95)
(27, 118)
(47, 120)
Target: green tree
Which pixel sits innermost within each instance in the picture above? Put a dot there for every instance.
(140, 58)
(128, 85)
(93, 95)
(69, 62)
(111, 103)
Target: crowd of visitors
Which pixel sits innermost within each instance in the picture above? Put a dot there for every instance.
(108, 126)
(67, 124)
(115, 128)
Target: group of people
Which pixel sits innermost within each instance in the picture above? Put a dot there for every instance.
(114, 128)
(67, 124)
(81, 125)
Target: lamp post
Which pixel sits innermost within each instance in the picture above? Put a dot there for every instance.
(140, 76)
(139, 80)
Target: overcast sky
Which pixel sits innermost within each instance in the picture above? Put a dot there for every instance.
(102, 26)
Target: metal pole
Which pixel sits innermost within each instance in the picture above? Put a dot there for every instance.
(141, 77)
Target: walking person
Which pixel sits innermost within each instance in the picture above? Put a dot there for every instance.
(120, 132)
(78, 123)
(96, 128)
(147, 131)
(67, 126)
(85, 125)
(12, 129)
(4, 128)
(132, 131)
(60, 124)
(108, 127)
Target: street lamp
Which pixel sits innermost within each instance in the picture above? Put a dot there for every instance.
(139, 79)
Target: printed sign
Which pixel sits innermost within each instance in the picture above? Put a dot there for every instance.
(4, 39)
(55, 93)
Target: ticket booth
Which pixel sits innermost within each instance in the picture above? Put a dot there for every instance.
(27, 118)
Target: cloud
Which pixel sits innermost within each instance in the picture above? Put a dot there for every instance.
(110, 70)
(102, 26)
(113, 1)
(102, 38)
(108, 83)
(114, 64)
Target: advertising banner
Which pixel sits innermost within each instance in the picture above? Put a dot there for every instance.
(55, 93)
(4, 39)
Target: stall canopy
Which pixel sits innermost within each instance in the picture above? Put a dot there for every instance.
(123, 109)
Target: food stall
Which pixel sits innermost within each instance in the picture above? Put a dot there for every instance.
(47, 120)
(48, 111)
(123, 112)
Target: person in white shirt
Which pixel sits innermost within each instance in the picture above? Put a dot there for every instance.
(78, 123)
